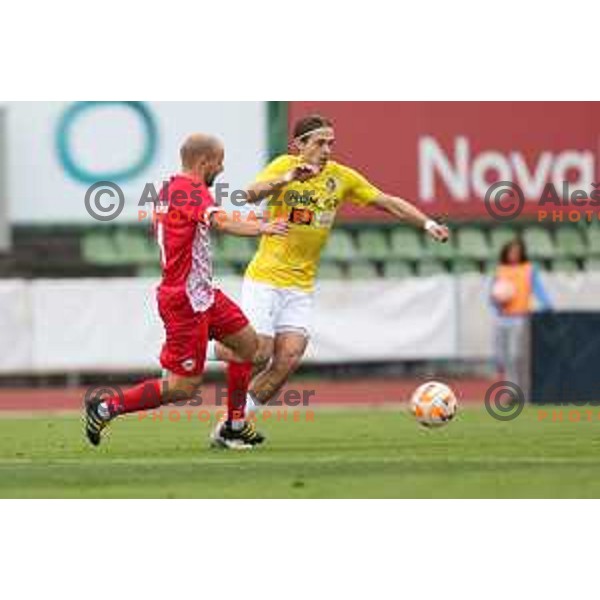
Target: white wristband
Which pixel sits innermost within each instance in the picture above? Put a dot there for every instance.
(430, 224)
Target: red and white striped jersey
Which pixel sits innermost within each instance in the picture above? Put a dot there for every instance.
(181, 220)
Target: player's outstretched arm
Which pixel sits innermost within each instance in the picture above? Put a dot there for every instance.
(259, 190)
(409, 213)
(224, 223)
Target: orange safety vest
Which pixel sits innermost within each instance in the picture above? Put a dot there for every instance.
(520, 277)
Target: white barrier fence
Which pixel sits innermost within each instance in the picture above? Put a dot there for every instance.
(62, 326)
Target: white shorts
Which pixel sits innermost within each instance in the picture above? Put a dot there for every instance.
(273, 310)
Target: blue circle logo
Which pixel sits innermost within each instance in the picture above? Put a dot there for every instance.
(76, 171)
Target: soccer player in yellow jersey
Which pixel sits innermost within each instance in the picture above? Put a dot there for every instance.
(305, 189)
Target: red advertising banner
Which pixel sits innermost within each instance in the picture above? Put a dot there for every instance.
(444, 156)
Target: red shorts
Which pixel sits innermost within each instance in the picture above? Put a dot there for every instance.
(188, 332)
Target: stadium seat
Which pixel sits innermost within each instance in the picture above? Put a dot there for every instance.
(499, 236)
(593, 240)
(98, 248)
(592, 264)
(570, 243)
(437, 250)
(219, 260)
(465, 265)
(373, 245)
(135, 247)
(397, 269)
(362, 270)
(331, 270)
(564, 265)
(539, 243)
(472, 243)
(489, 266)
(340, 246)
(224, 270)
(430, 266)
(406, 243)
(236, 249)
(150, 271)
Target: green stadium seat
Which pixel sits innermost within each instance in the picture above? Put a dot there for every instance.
(153, 252)
(406, 244)
(570, 243)
(430, 266)
(149, 271)
(499, 236)
(465, 265)
(489, 266)
(219, 260)
(396, 269)
(472, 243)
(539, 243)
(593, 240)
(330, 270)
(437, 250)
(236, 249)
(373, 245)
(98, 248)
(592, 264)
(225, 270)
(564, 265)
(340, 246)
(362, 270)
(135, 247)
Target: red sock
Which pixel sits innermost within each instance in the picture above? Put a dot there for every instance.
(238, 382)
(144, 396)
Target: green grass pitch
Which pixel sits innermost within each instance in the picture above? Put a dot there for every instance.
(357, 453)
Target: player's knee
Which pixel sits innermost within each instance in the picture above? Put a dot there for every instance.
(263, 354)
(286, 363)
(262, 359)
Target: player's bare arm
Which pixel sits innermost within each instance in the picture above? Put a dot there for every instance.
(409, 213)
(262, 189)
(224, 223)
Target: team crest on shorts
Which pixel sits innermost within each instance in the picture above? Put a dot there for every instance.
(188, 364)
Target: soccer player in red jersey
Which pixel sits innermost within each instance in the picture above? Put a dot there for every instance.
(191, 308)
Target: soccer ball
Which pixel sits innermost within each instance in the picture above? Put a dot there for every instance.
(503, 291)
(433, 404)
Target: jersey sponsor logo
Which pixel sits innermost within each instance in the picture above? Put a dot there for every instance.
(301, 216)
(305, 198)
(188, 364)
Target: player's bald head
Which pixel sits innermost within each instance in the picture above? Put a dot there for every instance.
(199, 146)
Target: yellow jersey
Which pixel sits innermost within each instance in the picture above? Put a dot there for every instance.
(292, 261)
